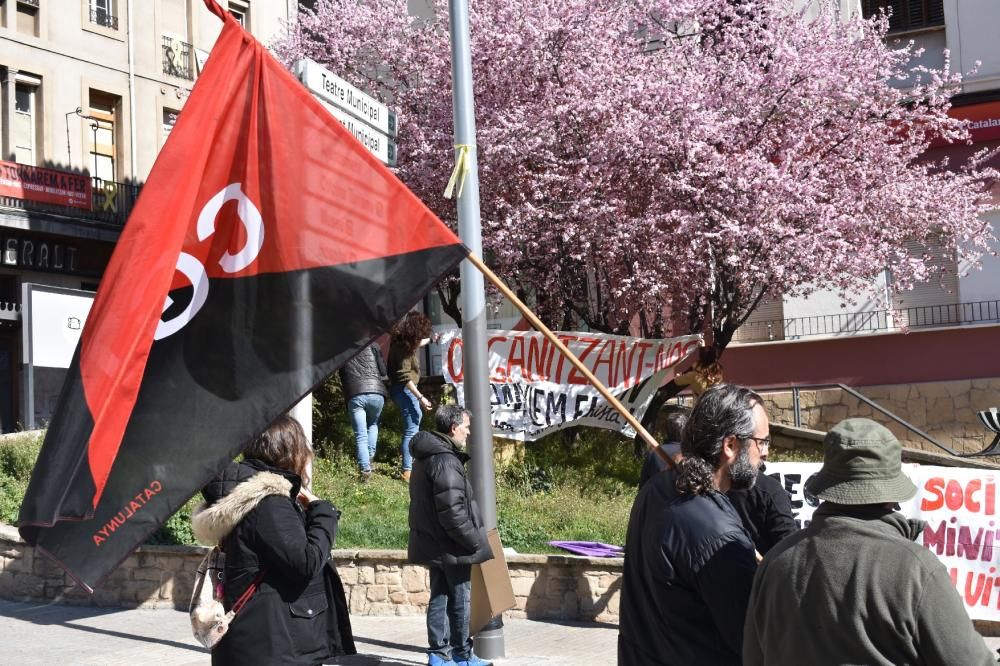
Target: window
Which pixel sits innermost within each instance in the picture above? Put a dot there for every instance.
(27, 17)
(241, 10)
(905, 15)
(103, 148)
(26, 124)
(102, 12)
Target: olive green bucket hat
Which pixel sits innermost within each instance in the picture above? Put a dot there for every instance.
(862, 464)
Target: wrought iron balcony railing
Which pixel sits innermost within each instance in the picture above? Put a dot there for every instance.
(178, 58)
(111, 204)
(955, 314)
(103, 17)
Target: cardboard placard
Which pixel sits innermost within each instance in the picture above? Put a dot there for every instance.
(492, 592)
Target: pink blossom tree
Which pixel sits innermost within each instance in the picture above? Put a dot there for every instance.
(689, 157)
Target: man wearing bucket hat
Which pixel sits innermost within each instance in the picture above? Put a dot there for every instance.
(853, 587)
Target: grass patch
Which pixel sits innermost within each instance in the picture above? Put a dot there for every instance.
(568, 487)
(575, 485)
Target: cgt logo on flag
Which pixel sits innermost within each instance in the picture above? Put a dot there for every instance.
(191, 268)
(266, 249)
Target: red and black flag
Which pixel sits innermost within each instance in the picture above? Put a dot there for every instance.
(267, 248)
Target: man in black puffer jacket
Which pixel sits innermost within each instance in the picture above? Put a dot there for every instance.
(446, 534)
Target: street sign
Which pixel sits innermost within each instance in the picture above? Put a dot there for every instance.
(336, 91)
(377, 143)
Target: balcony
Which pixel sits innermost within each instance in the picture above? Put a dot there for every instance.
(110, 203)
(929, 316)
(30, 3)
(177, 58)
(102, 17)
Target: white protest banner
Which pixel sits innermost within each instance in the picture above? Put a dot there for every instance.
(960, 508)
(535, 391)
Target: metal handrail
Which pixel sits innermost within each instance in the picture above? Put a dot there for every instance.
(874, 405)
(870, 321)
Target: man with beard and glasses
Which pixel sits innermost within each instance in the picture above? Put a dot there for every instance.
(689, 562)
(765, 509)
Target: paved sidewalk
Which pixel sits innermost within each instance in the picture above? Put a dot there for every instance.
(36, 634)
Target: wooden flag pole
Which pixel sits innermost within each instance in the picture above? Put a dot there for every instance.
(574, 361)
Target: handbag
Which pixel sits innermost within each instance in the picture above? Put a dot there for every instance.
(209, 619)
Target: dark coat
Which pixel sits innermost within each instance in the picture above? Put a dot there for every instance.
(766, 512)
(689, 566)
(299, 613)
(445, 523)
(365, 373)
(854, 588)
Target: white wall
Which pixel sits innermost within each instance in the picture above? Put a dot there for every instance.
(826, 301)
(973, 32)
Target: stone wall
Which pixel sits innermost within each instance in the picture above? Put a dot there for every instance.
(377, 582)
(944, 410)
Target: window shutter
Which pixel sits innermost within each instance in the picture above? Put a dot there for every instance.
(935, 301)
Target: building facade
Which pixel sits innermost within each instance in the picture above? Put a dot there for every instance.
(965, 30)
(89, 92)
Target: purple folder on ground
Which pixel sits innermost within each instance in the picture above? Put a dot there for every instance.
(589, 548)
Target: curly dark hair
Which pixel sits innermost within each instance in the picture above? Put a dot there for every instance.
(410, 330)
(721, 411)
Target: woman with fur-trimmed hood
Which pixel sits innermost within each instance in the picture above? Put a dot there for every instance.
(265, 521)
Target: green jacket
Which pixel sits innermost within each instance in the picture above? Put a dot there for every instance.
(403, 367)
(853, 588)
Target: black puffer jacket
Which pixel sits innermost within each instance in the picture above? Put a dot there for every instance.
(365, 373)
(445, 524)
(299, 613)
(689, 566)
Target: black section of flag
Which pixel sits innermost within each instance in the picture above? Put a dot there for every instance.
(256, 347)
(67, 488)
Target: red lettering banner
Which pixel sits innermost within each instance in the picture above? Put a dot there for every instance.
(960, 508)
(62, 188)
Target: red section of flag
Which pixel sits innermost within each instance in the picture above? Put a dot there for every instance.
(255, 178)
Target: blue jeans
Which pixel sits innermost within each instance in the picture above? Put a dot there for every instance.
(448, 611)
(365, 410)
(409, 406)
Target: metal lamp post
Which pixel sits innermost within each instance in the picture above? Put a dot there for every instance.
(489, 642)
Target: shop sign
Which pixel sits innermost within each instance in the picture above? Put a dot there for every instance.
(38, 255)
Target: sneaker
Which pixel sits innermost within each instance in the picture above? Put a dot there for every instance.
(434, 659)
(366, 476)
(473, 660)
(405, 475)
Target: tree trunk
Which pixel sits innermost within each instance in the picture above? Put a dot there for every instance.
(449, 292)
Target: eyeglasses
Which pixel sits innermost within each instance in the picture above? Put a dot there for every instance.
(763, 443)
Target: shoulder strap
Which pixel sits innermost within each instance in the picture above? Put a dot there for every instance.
(248, 593)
